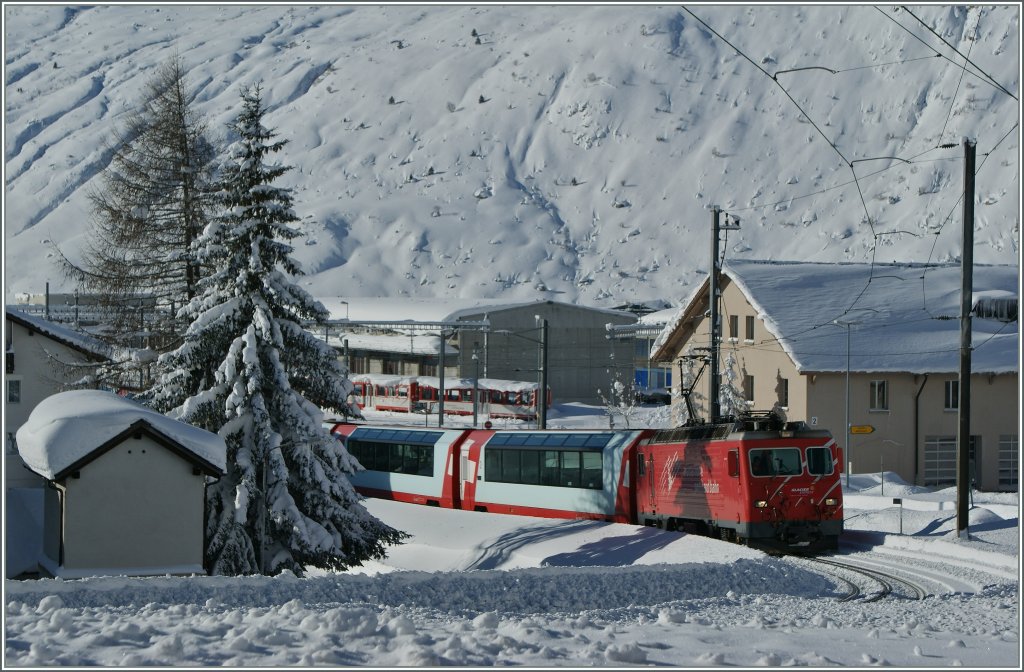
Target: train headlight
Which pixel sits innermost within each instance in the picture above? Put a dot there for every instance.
(761, 503)
(831, 501)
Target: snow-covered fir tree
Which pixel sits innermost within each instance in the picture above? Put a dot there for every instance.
(251, 372)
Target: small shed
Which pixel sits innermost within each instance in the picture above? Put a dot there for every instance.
(127, 485)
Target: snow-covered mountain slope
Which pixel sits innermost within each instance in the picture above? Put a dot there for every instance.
(565, 152)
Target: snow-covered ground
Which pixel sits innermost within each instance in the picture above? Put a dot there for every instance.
(478, 589)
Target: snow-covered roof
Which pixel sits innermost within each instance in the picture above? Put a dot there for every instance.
(66, 428)
(901, 317)
(425, 310)
(60, 333)
(416, 344)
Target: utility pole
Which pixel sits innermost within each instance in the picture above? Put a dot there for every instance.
(715, 328)
(476, 381)
(715, 407)
(543, 405)
(963, 438)
(440, 385)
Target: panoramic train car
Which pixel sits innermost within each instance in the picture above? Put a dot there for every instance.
(552, 474)
(405, 464)
(760, 482)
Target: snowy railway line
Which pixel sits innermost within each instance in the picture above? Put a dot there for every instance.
(885, 582)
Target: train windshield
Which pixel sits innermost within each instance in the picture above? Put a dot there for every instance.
(775, 462)
(819, 461)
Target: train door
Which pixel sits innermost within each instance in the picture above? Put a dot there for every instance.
(645, 501)
(468, 459)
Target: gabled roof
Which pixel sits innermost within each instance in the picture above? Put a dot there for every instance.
(901, 317)
(68, 430)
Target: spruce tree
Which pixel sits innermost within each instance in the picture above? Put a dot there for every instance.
(251, 372)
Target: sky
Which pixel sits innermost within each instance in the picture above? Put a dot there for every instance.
(476, 589)
(587, 174)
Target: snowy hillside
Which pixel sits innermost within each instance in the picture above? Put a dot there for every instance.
(570, 152)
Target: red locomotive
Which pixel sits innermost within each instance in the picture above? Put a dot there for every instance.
(757, 481)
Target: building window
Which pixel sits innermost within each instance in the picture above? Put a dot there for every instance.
(13, 390)
(357, 364)
(784, 392)
(879, 396)
(750, 327)
(734, 326)
(390, 367)
(952, 396)
(748, 388)
(1008, 452)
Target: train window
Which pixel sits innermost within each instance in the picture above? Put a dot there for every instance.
(598, 440)
(592, 468)
(775, 462)
(640, 469)
(510, 466)
(819, 461)
(395, 463)
(530, 466)
(561, 468)
(426, 461)
(395, 457)
(549, 467)
(570, 474)
(533, 440)
(499, 440)
(492, 464)
(554, 440)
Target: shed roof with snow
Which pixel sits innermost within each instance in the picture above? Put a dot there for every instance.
(68, 430)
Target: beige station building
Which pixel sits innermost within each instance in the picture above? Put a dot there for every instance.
(796, 336)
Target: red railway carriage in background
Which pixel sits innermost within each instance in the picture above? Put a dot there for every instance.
(760, 482)
(409, 394)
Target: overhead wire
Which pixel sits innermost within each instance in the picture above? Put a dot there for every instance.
(849, 163)
(982, 71)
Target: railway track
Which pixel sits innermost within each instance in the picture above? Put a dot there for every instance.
(883, 584)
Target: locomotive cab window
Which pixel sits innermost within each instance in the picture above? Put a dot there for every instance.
(775, 462)
(819, 461)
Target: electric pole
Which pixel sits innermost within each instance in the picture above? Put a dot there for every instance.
(716, 327)
(963, 438)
